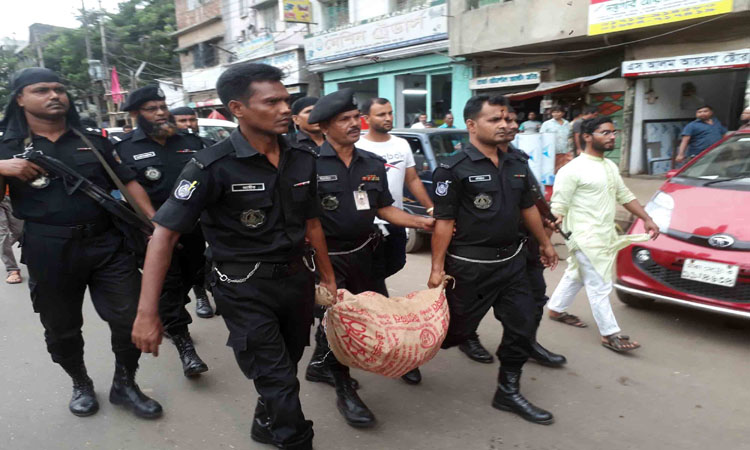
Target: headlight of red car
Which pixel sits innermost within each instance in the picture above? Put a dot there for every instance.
(660, 209)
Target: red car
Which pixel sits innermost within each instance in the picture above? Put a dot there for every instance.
(702, 257)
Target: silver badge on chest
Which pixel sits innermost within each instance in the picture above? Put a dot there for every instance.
(40, 182)
(152, 173)
(482, 201)
(329, 202)
(253, 218)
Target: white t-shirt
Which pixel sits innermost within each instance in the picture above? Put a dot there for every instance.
(397, 152)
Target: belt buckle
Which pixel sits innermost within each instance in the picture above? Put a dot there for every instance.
(498, 253)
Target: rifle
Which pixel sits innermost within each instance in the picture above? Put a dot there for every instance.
(544, 209)
(73, 181)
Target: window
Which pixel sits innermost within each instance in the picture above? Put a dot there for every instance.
(204, 55)
(335, 13)
(476, 4)
(192, 4)
(398, 5)
(268, 15)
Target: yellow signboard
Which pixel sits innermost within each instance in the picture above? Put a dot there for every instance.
(297, 11)
(611, 16)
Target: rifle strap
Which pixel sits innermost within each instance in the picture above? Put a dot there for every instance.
(123, 190)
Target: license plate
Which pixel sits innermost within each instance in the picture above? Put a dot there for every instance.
(710, 272)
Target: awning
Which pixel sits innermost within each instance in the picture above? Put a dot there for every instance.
(548, 87)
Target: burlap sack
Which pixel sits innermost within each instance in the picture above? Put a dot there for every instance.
(387, 336)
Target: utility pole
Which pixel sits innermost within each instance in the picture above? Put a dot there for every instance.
(89, 57)
(105, 63)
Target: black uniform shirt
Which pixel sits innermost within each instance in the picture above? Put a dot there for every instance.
(303, 140)
(52, 205)
(157, 167)
(484, 200)
(249, 210)
(337, 185)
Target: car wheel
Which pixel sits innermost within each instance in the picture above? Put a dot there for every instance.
(634, 301)
(414, 240)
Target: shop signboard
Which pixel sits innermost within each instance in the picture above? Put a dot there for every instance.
(379, 34)
(610, 16)
(735, 59)
(297, 11)
(256, 46)
(505, 80)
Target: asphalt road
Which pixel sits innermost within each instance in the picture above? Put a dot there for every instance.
(685, 389)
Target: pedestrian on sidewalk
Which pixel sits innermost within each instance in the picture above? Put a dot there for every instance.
(561, 128)
(698, 135)
(586, 193)
(531, 125)
(11, 229)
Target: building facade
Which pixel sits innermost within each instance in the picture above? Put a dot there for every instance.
(396, 49)
(216, 34)
(647, 64)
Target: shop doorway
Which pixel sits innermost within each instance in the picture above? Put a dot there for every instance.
(363, 89)
(440, 97)
(414, 98)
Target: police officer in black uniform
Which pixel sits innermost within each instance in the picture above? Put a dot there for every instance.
(353, 189)
(257, 199)
(484, 193)
(157, 152)
(192, 259)
(69, 240)
(308, 135)
(534, 266)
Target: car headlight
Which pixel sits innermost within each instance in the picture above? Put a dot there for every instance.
(660, 209)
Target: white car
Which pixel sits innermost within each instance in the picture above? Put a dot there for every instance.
(214, 129)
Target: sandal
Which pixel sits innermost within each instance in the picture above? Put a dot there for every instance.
(569, 319)
(620, 344)
(14, 277)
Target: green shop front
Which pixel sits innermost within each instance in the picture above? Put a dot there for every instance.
(402, 57)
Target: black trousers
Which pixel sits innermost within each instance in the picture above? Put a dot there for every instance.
(60, 270)
(192, 259)
(269, 324)
(504, 287)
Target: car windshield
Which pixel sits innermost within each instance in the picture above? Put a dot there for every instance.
(727, 163)
(445, 145)
(217, 133)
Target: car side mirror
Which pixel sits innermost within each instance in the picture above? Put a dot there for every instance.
(672, 173)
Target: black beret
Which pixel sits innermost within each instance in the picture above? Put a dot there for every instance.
(333, 104)
(143, 95)
(302, 103)
(182, 111)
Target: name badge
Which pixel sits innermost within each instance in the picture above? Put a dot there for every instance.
(323, 178)
(248, 187)
(186, 150)
(144, 156)
(361, 200)
(478, 178)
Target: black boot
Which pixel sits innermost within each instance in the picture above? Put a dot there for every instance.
(475, 350)
(83, 402)
(546, 357)
(261, 431)
(412, 376)
(202, 304)
(126, 392)
(508, 398)
(354, 410)
(192, 364)
(318, 371)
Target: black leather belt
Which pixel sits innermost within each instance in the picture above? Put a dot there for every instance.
(485, 253)
(80, 231)
(267, 270)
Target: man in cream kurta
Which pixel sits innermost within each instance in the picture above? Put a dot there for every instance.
(586, 194)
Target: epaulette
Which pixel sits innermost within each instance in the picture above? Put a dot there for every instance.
(371, 155)
(303, 148)
(453, 160)
(523, 156)
(206, 157)
(124, 137)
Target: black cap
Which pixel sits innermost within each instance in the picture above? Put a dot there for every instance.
(302, 103)
(182, 111)
(143, 95)
(333, 104)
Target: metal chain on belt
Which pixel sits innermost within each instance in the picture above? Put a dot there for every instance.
(349, 252)
(492, 261)
(224, 278)
(311, 265)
